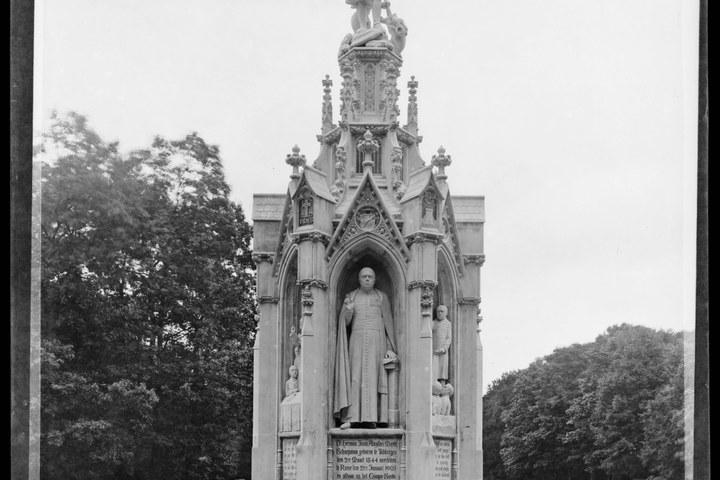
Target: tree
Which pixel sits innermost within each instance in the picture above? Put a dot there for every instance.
(495, 402)
(664, 428)
(148, 310)
(612, 408)
(629, 366)
(535, 420)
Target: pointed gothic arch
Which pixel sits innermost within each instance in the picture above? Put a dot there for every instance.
(372, 251)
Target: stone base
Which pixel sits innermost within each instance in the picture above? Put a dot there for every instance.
(444, 425)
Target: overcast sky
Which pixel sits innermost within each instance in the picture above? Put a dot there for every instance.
(576, 119)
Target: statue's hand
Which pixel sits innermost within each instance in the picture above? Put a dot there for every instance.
(349, 305)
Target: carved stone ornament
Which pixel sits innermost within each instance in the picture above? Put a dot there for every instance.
(261, 257)
(348, 93)
(376, 130)
(327, 104)
(313, 282)
(367, 215)
(476, 259)
(423, 237)
(397, 172)
(468, 300)
(295, 160)
(268, 299)
(331, 137)
(305, 208)
(338, 187)
(307, 296)
(389, 110)
(412, 110)
(367, 219)
(408, 138)
(441, 161)
(310, 236)
(421, 284)
(369, 87)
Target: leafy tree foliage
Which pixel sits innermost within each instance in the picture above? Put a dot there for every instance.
(148, 311)
(495, 402)
(608, 409)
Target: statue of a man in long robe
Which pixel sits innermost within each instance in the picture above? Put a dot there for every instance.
(361, 385)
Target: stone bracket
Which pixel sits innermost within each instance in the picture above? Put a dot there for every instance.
(313, 282)
(476, 259)
(306, 326)
(268, 299)
(314, 236)
(260, 257)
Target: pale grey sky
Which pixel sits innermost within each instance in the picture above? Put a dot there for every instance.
(575, 118)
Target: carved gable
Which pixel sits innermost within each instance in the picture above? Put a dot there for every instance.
(367, 215)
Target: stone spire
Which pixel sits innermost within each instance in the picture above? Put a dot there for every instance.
(327, 114)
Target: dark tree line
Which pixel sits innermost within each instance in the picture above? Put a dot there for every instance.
(148, 311)
(611, 409)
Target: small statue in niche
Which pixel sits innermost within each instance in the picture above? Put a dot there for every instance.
(292, 386)
(429, 203)
(441, 339)
(296, 360)
(436, 401)
(445, 394)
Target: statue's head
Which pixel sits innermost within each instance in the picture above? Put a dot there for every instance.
(437, 388)
(441, 312)
(367, 278)
(397, 26)
(293, 371)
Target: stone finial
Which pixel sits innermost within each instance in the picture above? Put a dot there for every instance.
(413, 85)
(441, 161)
(368, 145)
(327, 105)
(296, 161)
(412, 111)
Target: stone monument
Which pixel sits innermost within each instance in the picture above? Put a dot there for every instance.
(354, 379)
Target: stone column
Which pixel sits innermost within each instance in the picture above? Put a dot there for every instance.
(468, 391)
(265, 386)
(312, 446)
(422, 280)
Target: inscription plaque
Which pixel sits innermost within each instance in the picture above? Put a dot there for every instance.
(366, 458)
(443, 459)
(289, 467)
